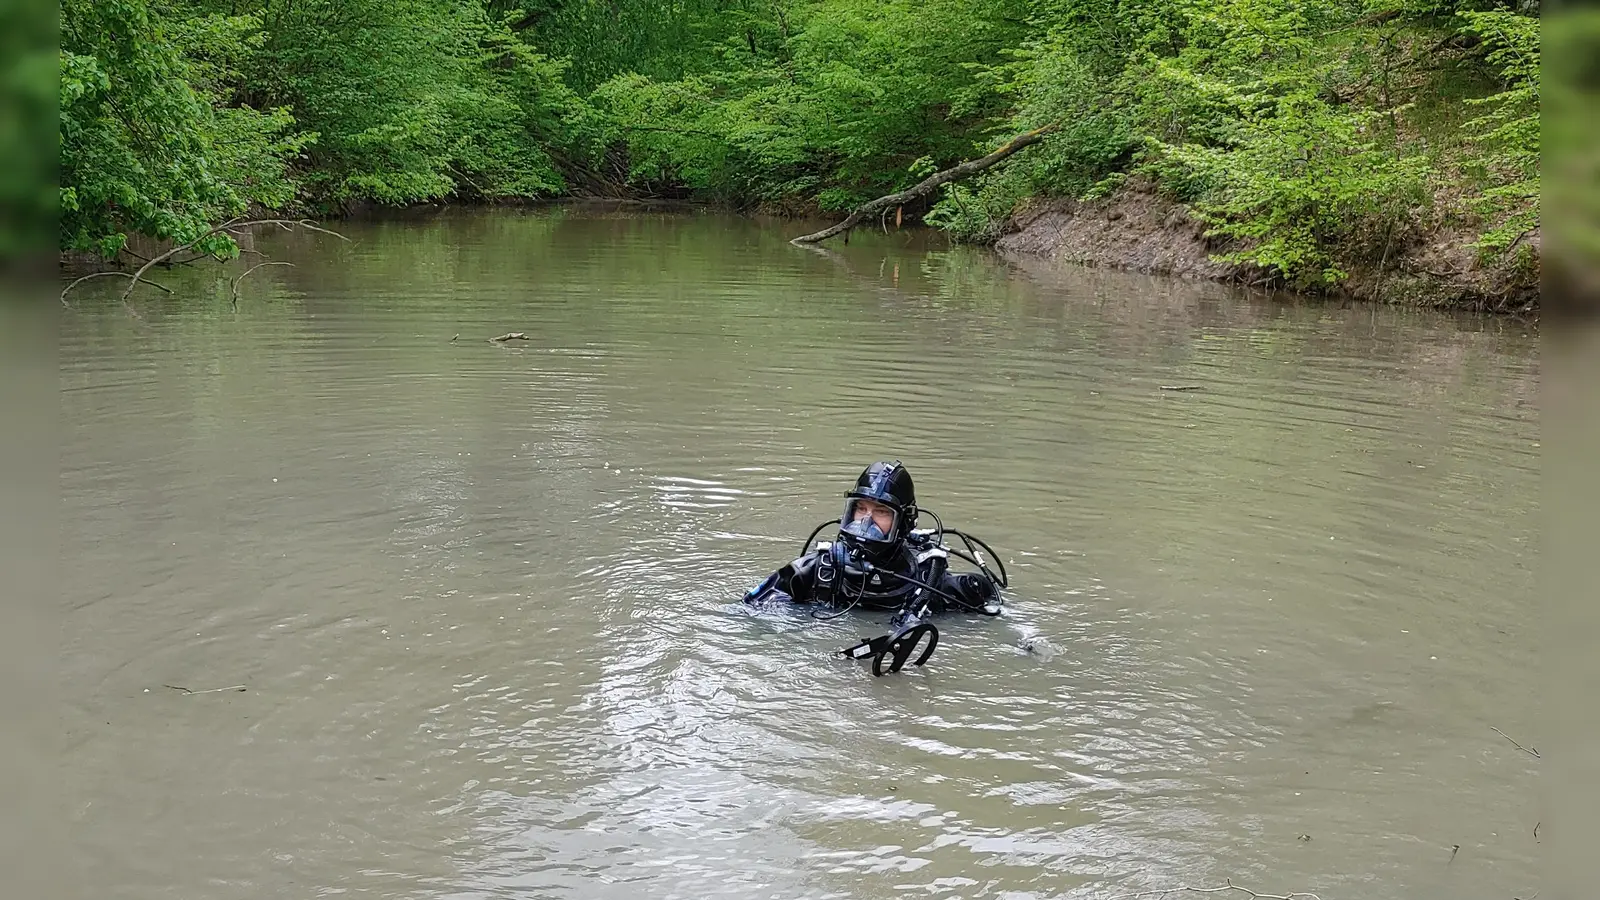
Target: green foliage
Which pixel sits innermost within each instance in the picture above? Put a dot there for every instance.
(1305, 133)
(1301, 183)
(1285, 126)
(1047, 81)
(144, 146)
(603, 39)
(830, 100)
(389, 86)
(178, 115)
(1571, 89)
(28, 114)
(1509, 129)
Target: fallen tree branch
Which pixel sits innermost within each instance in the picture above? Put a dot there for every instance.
(1227, 885)
(235, 284)
(79, 281)
(228, 226)
(510, 336)
(929, 184)
(287, 225)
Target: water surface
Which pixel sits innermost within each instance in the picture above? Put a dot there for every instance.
(482, 596)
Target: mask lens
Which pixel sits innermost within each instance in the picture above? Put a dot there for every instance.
(869, 520)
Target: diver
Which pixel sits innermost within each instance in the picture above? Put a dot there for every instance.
(880, 560)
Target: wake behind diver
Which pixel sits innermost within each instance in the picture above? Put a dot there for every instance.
(880, 560)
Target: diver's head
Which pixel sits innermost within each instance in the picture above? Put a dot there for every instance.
(879, 511)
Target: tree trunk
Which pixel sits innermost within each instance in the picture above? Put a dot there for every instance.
(928, 185)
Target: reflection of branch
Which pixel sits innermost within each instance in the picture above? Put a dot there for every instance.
(824, 251)
(1515, 744)
(1227, 885)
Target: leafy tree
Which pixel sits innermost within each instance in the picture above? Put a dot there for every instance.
(144, 147)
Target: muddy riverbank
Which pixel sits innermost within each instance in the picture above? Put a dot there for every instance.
(1139, 230)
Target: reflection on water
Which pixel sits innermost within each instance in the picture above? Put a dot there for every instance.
(484, 595)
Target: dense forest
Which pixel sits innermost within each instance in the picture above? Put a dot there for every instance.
(1308, 133)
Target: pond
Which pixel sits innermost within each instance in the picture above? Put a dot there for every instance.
(483, 597)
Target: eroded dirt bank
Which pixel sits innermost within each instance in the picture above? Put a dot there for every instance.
(1140, 230)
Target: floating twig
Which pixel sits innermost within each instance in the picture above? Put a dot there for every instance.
(235, 687)
(509, 336)
(1182, 387)
(1227, 885)
(1508, 737)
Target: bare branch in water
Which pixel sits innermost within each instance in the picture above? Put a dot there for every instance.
(235, 287)
(103, 274)
(228, 226)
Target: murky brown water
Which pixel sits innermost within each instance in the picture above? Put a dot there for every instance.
(483, 597)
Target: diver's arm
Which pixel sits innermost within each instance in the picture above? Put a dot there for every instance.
(977, 592)
(795, 579)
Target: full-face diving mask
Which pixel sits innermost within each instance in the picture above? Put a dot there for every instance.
(880, 509)
(869, 526)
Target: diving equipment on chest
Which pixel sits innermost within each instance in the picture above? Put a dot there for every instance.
(845, 577)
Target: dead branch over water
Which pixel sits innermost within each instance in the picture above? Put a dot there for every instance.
(230, 227)
(233, 226)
